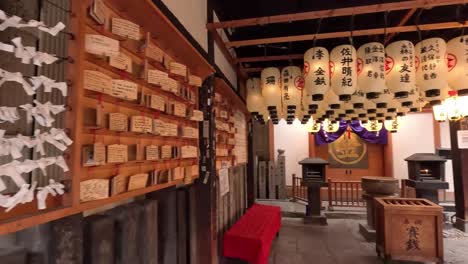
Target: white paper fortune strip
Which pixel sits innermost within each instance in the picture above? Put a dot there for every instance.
(34, 83)
(8, 114)
(26, 195)
(42, 112)
(13, 146)
(28, 54)
(16, 22)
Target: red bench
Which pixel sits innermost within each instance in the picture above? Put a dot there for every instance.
(251, 237)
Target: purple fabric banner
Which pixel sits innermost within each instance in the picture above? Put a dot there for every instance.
(380, 137)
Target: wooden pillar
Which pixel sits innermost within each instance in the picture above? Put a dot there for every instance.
(311, 145)
(460, 175)
(388, 157)
(271, 139)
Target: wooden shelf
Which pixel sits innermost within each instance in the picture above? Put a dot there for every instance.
(136, 163)
(133, 105)
(107, 132)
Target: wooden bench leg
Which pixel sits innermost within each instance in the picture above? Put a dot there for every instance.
(277, 234)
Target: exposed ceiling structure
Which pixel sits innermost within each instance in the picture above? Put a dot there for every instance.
(267, 33)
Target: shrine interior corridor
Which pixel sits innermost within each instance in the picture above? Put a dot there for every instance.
(341, 243)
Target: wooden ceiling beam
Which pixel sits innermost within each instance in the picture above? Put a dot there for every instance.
(402, 23)
(270, 58)
(253, 69)
(347, 11)
(362, 32)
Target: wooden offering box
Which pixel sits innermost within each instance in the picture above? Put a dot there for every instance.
(409, 229)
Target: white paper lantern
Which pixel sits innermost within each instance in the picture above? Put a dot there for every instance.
(373, 126)
(444, 94)
(332, 101)
(440, 114)
(358, 98)
(431, 67)
(312, 126)
(418, 104)
(412, 97)
(400, 68)
(317, 72)
(371, 69)
(457, 61)
(385, 97)
(370, 106)
(255, 102)
(453, 108)
(343, 71)
(271, 90)
(292, 84)
(464, 105)
(393, 106)
(330, 126)
(392, 125)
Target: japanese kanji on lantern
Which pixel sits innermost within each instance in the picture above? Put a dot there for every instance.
(457, 62)
(431, 67)
(343, 71)
(400, 68)
(255, 102)
(292, 84)
(317, 72)
(371, 69)
(271, 91)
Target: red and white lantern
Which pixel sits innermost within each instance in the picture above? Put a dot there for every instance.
(400, 68)
(292, 84)
(371, 69)
(317, 72)
(457, 61)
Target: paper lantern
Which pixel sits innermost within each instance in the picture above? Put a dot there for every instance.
(330, 127)
(358, 98)
(444, 94)
(418, 104)
(393, 106)
(464, 105)
(412, 97)
(384, 98)
(271, 91)
(292, 84)
(457, 62)
(431, 67)
(343, 71)
(440, 114)
(371, 69)
(255, 101)
(373, 126)
(312, 126)
(453, 108)
(370, 106)
(332, 101)
(317, 72)
(392, 125)
(402, 111)
(400, 68)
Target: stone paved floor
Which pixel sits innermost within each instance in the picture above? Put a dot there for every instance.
(341, 243)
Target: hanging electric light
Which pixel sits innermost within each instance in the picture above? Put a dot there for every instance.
(343, 71)
(312, 126)
(255, 102)
(457, 62)
(431, 67)
(400, 68)
(317, 72)
(452, 108)
(292, 84)
(440, 113)
(271, 91)
(371, 69)
(392, 125)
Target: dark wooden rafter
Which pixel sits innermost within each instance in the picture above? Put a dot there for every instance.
(402, 23)
(270, 58)
(362, 32)
(347, 11)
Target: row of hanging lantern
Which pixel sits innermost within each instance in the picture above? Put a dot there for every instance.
(372, 84)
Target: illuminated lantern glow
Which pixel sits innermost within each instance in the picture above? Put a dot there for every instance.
(330, 127)
(317, 72)
(255, 101)
(452, 108)
(440, 113)
(371, 69)
(413, 96)
(385, 98)
(312, 126)
(431, 71)
(464, 105)
(292, 86)
(418, 104)
(444, 94)
(402, 111)
(343, 69)
(373, 126)
(457, 62)
(392, 125)
(271, 90)
(400, 68)
(393, 106)
(370, 107)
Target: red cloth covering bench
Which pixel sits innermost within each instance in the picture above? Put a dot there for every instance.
(251, 237)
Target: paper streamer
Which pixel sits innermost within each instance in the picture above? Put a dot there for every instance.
(13, 146)
(16, 22)
(8, 114)
(42, 113)
(28, 54)
(31, 84)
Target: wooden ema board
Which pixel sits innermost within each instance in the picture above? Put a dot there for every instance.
(262, 180)
(170, 41)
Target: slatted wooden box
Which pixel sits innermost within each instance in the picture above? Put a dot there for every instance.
(409, 229)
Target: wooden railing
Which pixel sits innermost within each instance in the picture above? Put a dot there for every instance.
(299, 190)
(344, 194)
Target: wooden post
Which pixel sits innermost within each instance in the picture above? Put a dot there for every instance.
(330, 200)
(460, 175)
(294, 188)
